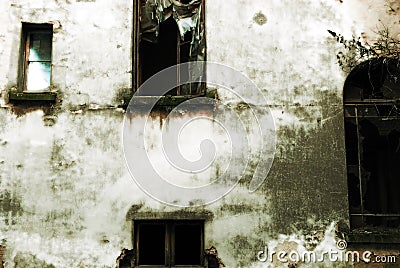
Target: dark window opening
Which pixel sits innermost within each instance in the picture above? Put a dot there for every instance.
(155, 57)
(187, 244)
(372, 133)
(151, 244)
(169, 243)
(167, 33)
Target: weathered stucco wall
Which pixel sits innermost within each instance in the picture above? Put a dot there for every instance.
(91, 46)
(65, 190)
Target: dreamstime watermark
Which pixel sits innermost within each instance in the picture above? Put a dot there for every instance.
(244, 131)
(338, 254)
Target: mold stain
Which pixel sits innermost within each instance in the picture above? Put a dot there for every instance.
(260, 18)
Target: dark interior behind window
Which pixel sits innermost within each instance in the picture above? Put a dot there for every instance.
(160, 43)
(372, 133)
(169, 243)
(151, 244)
(187, 244)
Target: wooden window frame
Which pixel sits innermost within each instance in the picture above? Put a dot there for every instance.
(169, 241)
(22, 93)
(136, 64)
(27, 30)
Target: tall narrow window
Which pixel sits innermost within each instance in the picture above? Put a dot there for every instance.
(169, 243)
(372, 132)
(36, 47)
(167, 33)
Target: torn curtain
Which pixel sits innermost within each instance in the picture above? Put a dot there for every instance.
(188, 19)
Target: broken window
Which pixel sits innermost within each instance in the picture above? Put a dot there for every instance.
(169, 243)
(35, 59)
(372, 133)
(168, 33)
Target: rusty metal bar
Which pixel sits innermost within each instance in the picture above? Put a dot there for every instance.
(178, 61)
(376, 215)
(376, 116)
(359, 164)
(372, 102)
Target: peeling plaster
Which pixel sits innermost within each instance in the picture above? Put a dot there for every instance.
(65, 189)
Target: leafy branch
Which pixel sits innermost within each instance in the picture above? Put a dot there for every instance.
(356, 51)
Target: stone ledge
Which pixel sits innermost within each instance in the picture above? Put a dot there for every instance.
(137, 213)
(32, 96)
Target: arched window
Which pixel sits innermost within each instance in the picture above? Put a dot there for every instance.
(372, 133)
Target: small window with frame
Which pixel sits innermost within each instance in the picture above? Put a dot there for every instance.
(35, 63)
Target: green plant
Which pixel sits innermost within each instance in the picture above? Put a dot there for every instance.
(356, 51)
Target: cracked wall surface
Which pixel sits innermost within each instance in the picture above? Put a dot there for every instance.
(65, 189)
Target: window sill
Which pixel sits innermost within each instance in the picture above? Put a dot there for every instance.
(171, 100)
(167, 103)
(173, 215)
(32, 96)
(387, 236)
